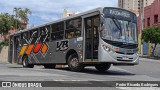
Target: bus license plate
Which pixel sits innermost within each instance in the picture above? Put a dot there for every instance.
(125, 58)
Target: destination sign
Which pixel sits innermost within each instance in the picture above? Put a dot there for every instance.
(119, 13)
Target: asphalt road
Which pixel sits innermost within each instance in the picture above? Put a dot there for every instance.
(147, 70)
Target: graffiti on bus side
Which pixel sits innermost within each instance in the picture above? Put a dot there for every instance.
(36, 45)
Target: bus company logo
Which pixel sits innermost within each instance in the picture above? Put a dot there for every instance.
(6, 84)
(62, 45)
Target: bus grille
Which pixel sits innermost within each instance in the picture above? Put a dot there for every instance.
(124, 60)
(120, 59)
(124, 53)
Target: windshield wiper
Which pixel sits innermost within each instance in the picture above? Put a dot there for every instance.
(117, 24)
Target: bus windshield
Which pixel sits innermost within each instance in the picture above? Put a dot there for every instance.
(119, 30)
(119, 25)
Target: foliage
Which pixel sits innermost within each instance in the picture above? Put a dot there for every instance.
(152, 35)
(22, 14)
(3, 43)
(8, 22)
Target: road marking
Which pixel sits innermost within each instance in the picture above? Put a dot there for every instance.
(69, 80)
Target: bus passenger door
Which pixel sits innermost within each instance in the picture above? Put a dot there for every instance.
(10, 50)
(91, 38)
(16, 48)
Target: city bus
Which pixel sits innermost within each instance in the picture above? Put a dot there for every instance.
(100, 37)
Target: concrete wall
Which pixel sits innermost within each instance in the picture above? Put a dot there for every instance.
(4, 54)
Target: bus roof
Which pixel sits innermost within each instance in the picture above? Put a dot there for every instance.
(63, 19)
(100, 9)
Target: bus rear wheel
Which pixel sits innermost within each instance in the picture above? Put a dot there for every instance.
(73, 63)
(26, 63)
(49, 66)
(103, 67)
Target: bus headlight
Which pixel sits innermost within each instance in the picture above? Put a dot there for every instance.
(106, 48)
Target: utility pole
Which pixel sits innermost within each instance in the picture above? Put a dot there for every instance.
(142, 24)
(142, 16)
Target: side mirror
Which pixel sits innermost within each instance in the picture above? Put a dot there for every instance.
(102, 20)
(101, 27)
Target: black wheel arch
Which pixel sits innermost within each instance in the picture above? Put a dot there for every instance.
(24, 55)
(70, 52)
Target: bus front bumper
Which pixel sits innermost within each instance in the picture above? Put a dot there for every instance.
(118, 59)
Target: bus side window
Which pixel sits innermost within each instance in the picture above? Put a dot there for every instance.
(73, 28)
(19, 42)
(24, 38)
(53, 37)
(48, 28)
(57, 31)
(45, 34)
(34, 36)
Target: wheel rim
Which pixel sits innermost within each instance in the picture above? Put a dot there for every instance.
(24, 62)
(74, 62)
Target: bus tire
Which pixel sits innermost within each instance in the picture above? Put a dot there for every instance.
(49, 66)
(73, 63)
(103, 67)
(25, 62)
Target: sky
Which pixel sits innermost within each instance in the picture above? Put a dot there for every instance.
(44, 11)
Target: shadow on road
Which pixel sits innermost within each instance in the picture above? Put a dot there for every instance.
(15, 67)
(94, 71)
(90, 70)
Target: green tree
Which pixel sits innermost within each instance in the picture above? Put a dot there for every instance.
(16, 14)
(152, 35)
(7, 22)
(22, 15)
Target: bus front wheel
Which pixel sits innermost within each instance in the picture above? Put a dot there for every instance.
(73, 63)
(26, 63)
(103, 67)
